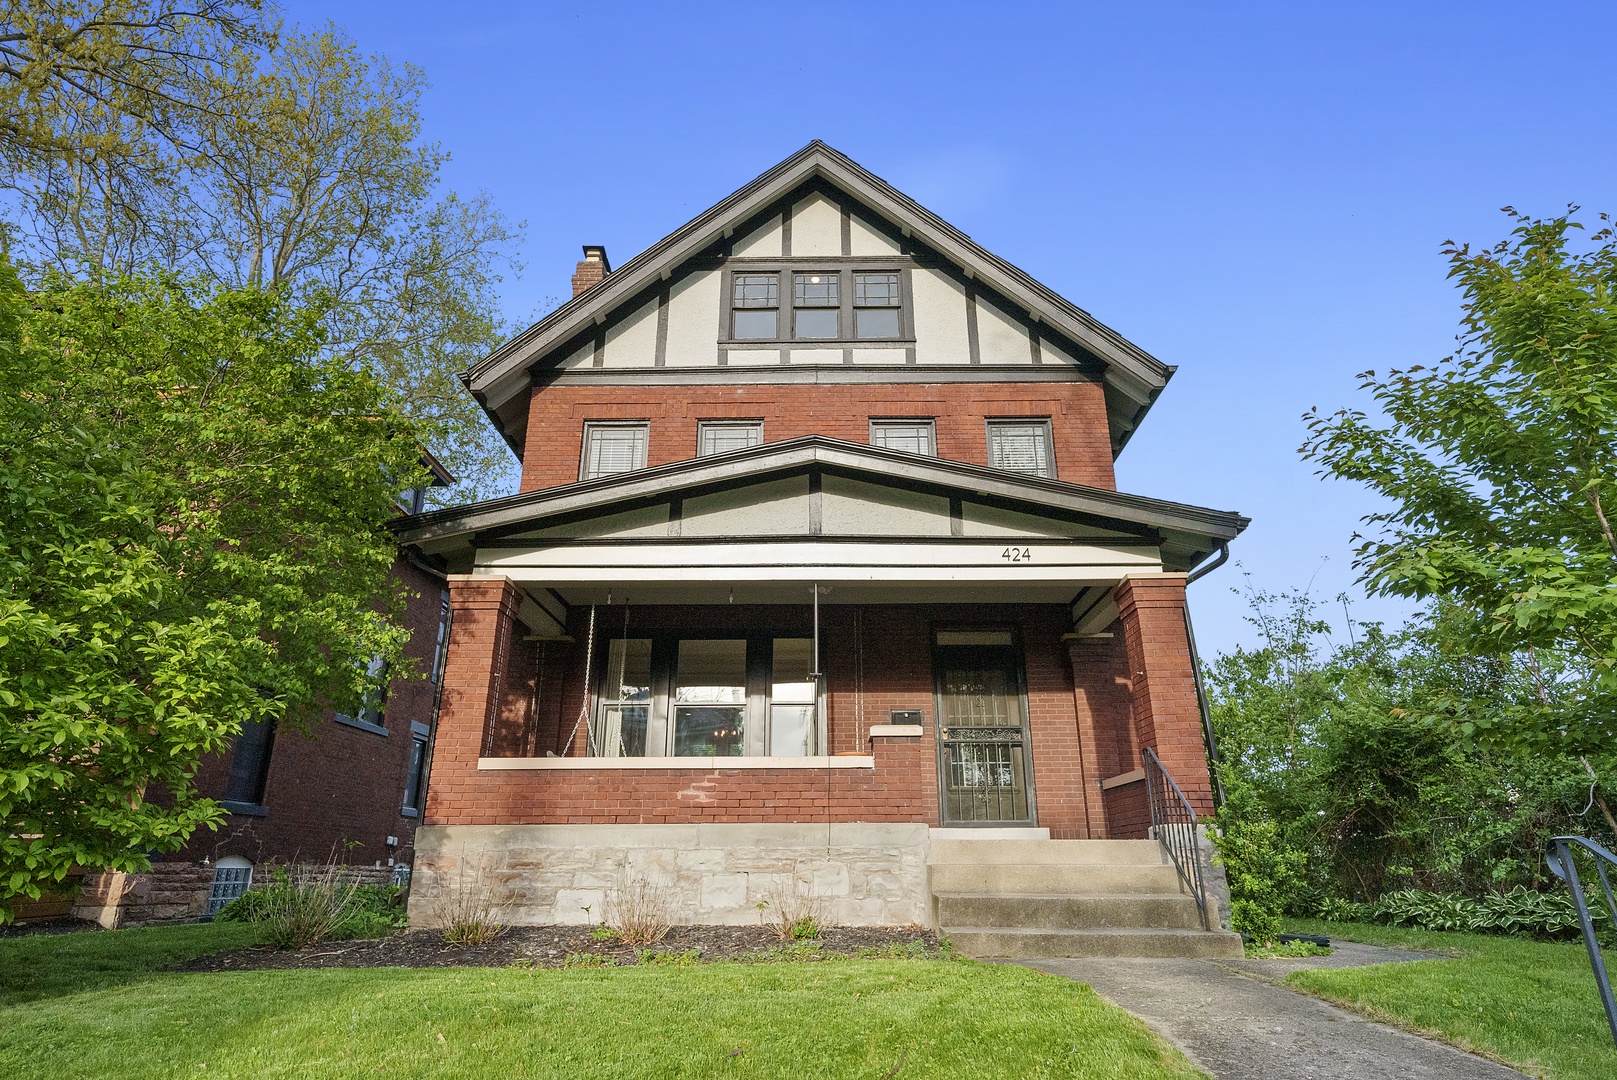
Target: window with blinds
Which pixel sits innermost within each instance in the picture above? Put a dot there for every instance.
(1021, 446)
(911, 436)
(722, 436)
(613, 448)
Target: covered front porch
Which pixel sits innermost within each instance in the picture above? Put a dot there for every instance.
(827, 638)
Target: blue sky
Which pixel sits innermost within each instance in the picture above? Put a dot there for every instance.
(1257, 193)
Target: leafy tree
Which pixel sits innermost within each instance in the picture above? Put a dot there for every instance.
(1334, 747)
(204, 144)
(194, 501)
(1499, 466)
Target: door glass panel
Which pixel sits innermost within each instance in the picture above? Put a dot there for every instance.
(984, 747)
(626, 698)
(710, 699)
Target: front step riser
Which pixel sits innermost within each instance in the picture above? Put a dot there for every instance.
(1071, 912)
(1039, 880)
(1047, 852)
(1026, 946)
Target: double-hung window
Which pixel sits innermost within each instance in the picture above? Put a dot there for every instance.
(722, 436)
(1021, 446)
(876, 311)
(755, 306)
(816, 306)
(911, 436)
(614, 447)
(415, 781)
(249, 767)
(825, 305)
(713, 697)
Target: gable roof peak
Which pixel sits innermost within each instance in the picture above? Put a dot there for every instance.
(1133, 376)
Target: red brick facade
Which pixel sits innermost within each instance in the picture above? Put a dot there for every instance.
(1077, 413)
(336, 789)
(1090, 710)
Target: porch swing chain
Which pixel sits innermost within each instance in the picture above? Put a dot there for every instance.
(584, 710)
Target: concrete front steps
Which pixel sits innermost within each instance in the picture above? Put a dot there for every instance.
(1028, 898)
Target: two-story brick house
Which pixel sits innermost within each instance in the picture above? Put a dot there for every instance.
(818, 580)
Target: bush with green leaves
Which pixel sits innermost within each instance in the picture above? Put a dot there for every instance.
(1517, 911)
(1264, 874)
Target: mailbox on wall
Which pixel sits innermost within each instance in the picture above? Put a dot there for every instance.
(905, 716)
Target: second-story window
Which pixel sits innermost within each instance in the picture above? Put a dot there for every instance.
(613, 447)
(816, 306)
(911, 436)
(755, 306)
(1021, 446)
(722, 436)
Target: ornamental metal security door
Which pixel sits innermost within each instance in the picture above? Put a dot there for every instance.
(983, 753)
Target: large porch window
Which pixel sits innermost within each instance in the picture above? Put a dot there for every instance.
(712, 697)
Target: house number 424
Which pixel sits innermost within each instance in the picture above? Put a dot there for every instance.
(1016, 554)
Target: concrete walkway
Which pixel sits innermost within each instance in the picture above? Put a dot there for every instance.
(1238, 1027)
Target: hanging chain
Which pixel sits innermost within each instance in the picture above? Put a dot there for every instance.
(584, 710)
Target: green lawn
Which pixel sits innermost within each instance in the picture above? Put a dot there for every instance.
(845, 1018)
(1530, 1003)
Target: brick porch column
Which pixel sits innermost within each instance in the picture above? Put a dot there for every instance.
(1088, 656)
(1167, 716)
(483, 623)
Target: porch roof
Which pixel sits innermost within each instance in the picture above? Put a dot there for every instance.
(1184, 534)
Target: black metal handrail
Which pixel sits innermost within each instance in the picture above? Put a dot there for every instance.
(1173, 820)
(1559, 854)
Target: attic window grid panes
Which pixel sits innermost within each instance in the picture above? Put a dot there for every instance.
(1022, 446)
(755, 300)
(876, 312)
(846, 304)
(816, 300)
(611, 448)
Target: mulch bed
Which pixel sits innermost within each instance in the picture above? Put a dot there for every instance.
(48, 926)
(552, 946)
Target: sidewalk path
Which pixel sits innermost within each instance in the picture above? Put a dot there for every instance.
(1241, 1028)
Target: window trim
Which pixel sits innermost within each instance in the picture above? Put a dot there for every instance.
(591, 426)
(704, 426)
(416, 772)
(1044, 422)
(660, 726)
(929, 422)
(786, 327)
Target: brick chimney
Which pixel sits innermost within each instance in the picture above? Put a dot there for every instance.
(592, 271)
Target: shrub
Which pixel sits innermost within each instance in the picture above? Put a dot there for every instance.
(1518, 911)
(1264, 874)
(372, 910)
(471, 910)
(306, 906)
(638, 912)
(793, 916)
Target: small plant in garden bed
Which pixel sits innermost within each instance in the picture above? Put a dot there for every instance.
(660, 958)
(305, 906)
(603, 933)
(471, 911)
(1286, 950)
(638, 913)
(588, 960)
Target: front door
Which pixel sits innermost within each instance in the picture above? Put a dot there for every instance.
(984, 771)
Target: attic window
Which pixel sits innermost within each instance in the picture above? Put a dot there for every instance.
(755, 302)
(826, 304)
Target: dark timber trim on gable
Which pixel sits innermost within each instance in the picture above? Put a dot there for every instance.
(1133, 376)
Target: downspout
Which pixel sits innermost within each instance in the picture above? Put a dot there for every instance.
(1201, 686)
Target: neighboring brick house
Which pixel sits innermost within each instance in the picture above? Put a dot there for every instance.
(817, 580)
(350, 789)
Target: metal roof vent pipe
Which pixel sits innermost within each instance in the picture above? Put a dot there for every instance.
(592, 270)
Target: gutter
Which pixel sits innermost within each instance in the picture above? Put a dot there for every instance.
(1202, 703)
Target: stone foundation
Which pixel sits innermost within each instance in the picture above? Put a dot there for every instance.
(863, 874)
(174, 892)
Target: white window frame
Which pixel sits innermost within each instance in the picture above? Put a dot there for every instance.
(889, 423)
(998, 425)
(594, 427)
(706, 428)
